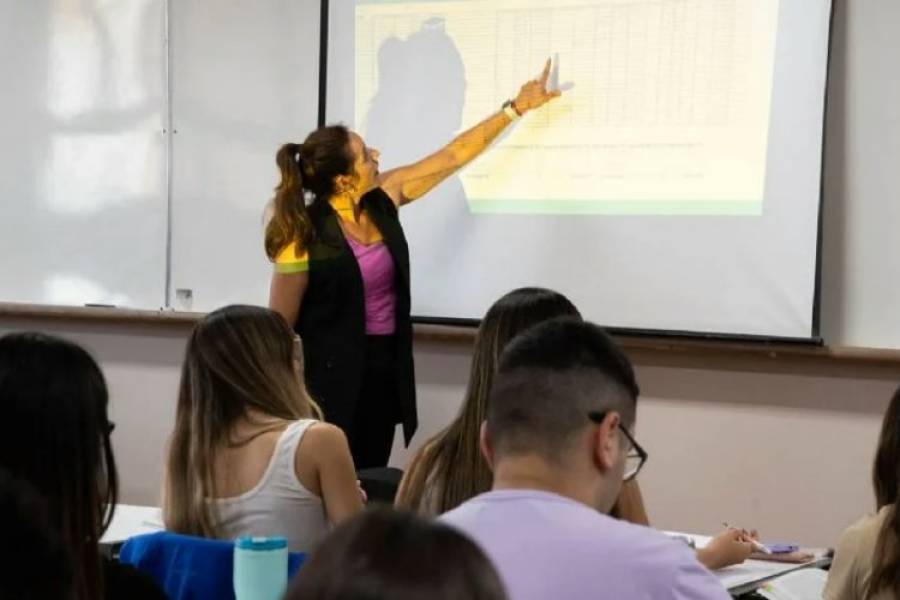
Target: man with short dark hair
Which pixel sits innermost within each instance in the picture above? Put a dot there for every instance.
(558, 439)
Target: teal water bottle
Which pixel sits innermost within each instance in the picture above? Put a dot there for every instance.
(260, 568)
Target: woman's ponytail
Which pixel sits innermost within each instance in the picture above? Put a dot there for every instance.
(290, 221)
(310, 167)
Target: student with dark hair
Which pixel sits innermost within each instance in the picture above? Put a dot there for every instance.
(388, 555)
(342, 268)
(449, 468)
(55, 434)
(867, 559)
(33, 560)
(249, 455)
(559, 439)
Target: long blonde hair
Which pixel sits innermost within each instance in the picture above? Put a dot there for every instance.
(238, 359)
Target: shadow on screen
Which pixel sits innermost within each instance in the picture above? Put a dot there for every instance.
(416, 110)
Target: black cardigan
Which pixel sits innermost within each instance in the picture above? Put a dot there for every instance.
(331, 322)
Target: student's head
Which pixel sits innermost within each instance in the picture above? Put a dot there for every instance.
(383, 554)
(55, 434)
(563, 400)
(886, 476)
(509, 316)
(454, 463)
(34, 563)
(331, 161)
(241, 362)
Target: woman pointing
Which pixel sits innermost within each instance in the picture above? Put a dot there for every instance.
(341, 275)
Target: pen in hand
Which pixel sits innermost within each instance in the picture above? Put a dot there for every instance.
(747, 537)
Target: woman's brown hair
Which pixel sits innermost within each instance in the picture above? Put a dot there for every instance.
(450, 468)
(55, 435)
(384, 554)
(886, 477)
(308, 167)
(238, 359)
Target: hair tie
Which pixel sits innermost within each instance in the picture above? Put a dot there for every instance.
(304, 165)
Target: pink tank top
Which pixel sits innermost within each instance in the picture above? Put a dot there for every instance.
(377, 268)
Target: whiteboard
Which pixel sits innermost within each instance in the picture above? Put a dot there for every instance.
(71, 234)
(83, 159)
(244, 81)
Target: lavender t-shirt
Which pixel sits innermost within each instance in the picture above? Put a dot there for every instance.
(546, 546)
(377, 268)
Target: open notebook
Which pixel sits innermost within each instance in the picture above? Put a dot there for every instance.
(805, 584)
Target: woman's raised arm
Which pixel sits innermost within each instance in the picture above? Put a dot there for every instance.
(408, 183)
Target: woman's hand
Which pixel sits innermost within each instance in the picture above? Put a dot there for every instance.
(534, 94)
(731, 547)
(405, 184)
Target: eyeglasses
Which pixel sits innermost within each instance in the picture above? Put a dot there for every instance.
(636, 457)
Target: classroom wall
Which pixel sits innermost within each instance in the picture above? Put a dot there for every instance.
(756, 444)
(784, 450)
(788, 453)
(861, 245)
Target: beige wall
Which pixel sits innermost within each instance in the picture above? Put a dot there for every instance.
(750, 443)
(786, 450)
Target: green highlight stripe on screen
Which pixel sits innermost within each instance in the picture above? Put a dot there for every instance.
(618, 207)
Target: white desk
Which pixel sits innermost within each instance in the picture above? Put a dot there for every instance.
(746, 577)
(130, 520)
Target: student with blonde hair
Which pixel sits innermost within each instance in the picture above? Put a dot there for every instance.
(249, 455)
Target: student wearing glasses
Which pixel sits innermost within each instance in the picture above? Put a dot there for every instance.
(558, 437)
(449, 469)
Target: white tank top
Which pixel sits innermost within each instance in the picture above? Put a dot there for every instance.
(278, 505)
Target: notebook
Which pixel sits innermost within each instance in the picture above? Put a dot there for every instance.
(805, 584)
